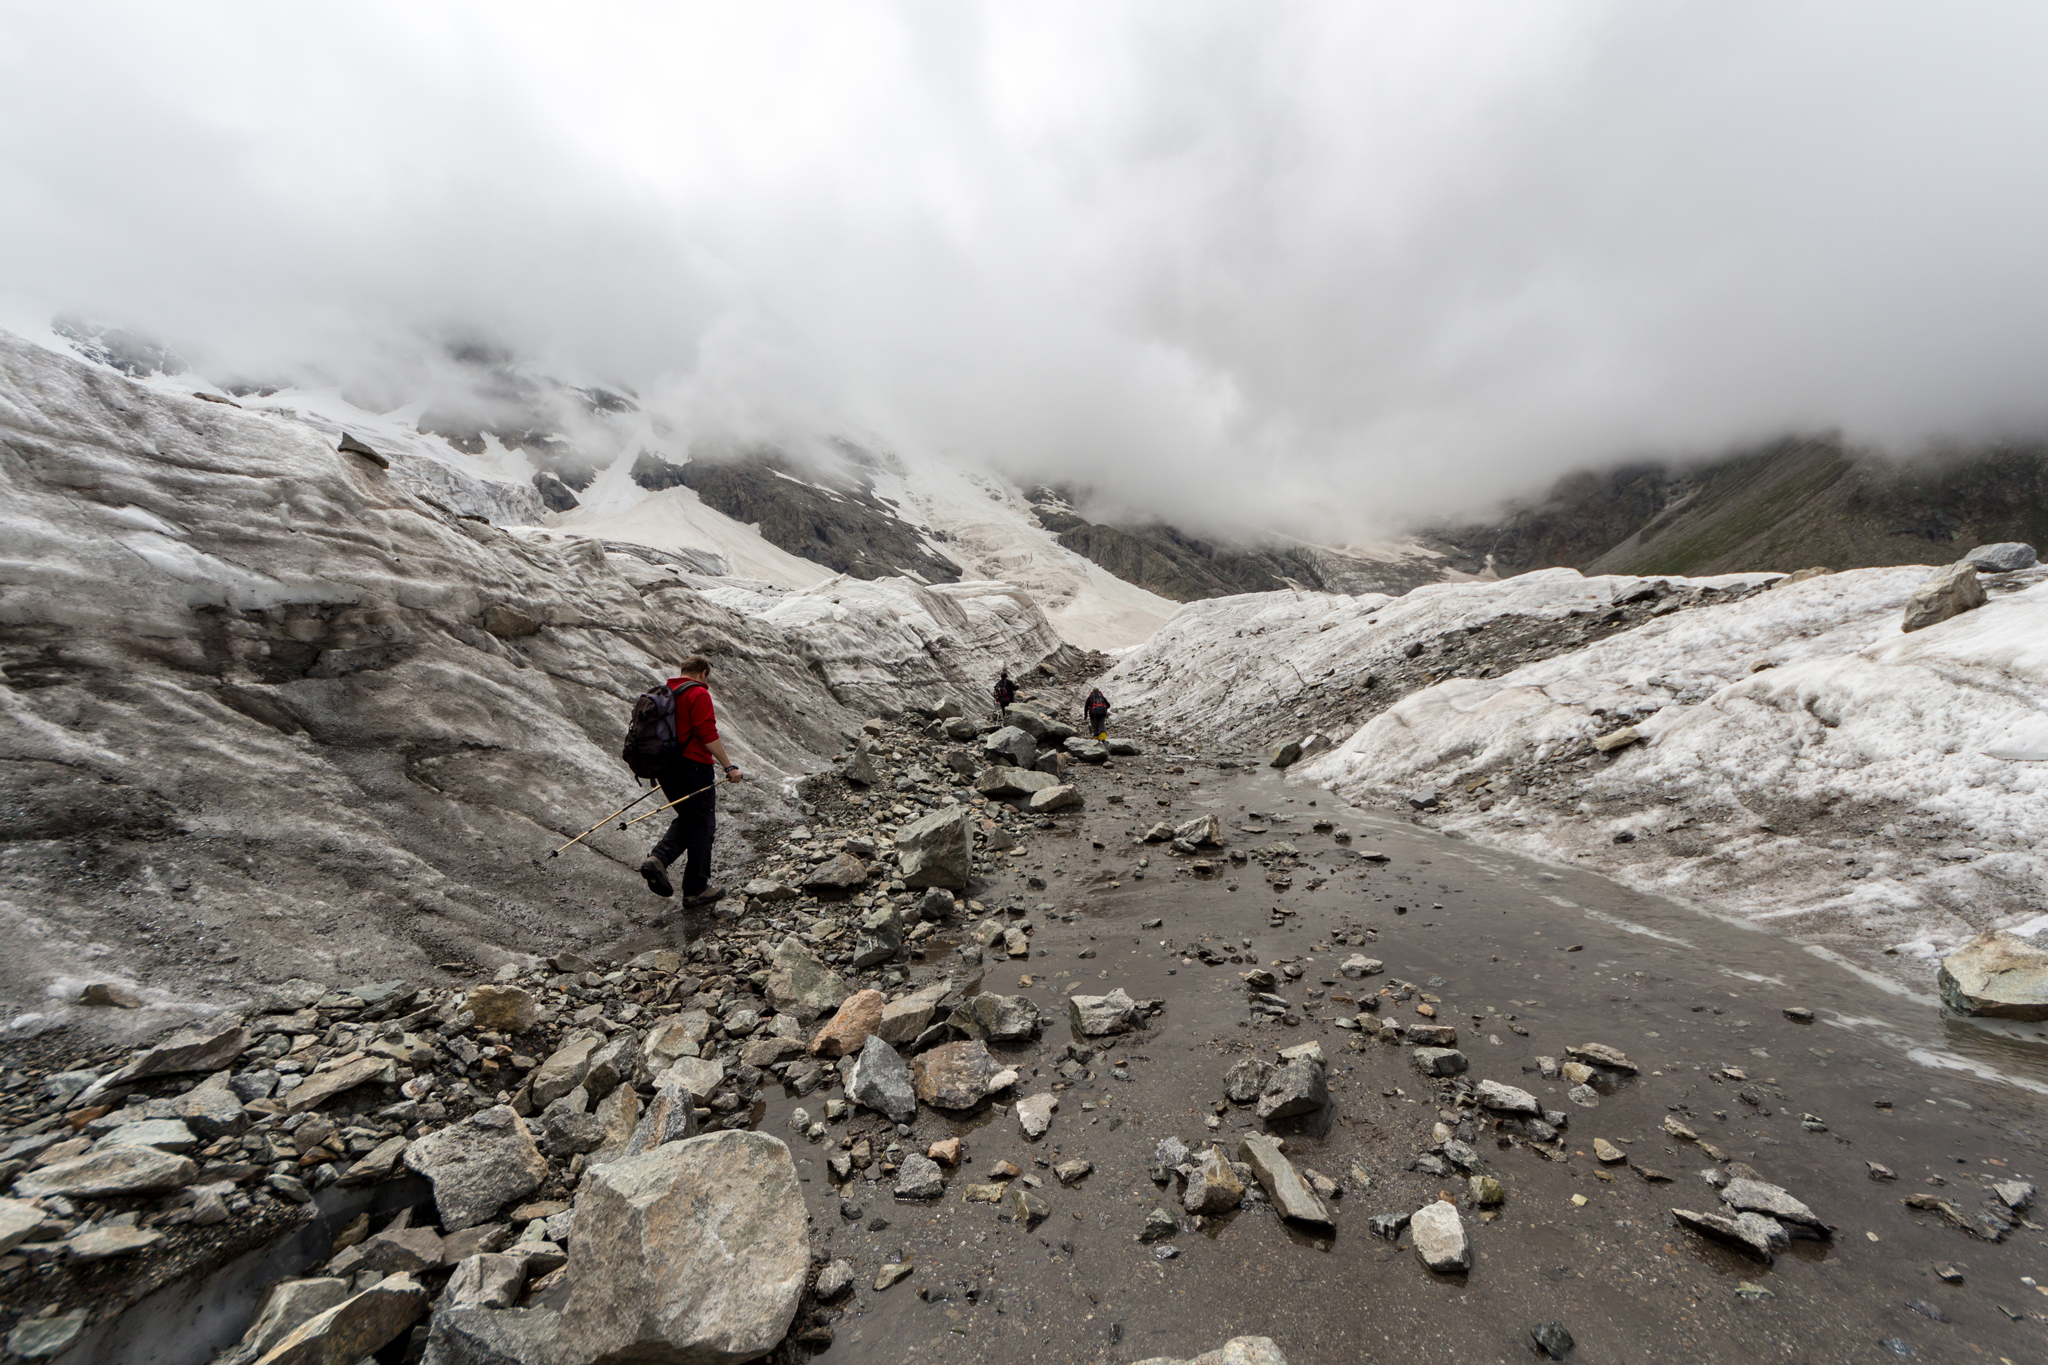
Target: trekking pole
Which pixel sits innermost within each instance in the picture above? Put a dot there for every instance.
(659, 809)
(607, 820)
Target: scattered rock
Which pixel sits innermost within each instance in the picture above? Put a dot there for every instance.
(1996, 975)
(1951, 591)
(356, 1327)
(937, 850)
(109, 1171)
(1294, 1089)
(1440, 1238)
(478, 1166)
(954, 1075)
(1749, 1237)
(1289, 1193)
(1438, 1061)
(2005, 557)
(1506, 1099)
(1552, 1339)
(1213, 1186)
(919, 1177)
(507, 1009)
(881, 1081)
(799, 984)
(1034, 1113)
(858, 1016)
(1096, 1016)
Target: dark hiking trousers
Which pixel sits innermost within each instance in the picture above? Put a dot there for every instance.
(1098, 719)
(689, 834)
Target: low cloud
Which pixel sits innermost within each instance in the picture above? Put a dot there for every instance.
(1327, 267)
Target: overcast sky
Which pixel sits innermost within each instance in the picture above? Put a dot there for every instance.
(1325, 265)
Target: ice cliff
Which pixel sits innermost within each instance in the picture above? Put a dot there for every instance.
(1798, 761)
(266, 704)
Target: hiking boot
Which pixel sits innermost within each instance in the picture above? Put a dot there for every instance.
(657, 877)
(710, 895)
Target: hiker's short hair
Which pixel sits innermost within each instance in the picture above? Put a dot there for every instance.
(696, 663)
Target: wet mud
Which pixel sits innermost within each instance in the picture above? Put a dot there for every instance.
(1525, 960)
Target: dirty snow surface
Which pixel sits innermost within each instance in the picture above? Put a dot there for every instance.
(1801, 762)
(268, 712)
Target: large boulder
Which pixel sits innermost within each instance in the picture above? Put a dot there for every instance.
(902, 1020)
(840, 872)
(1010, 746)
(1036, 723)
(1096, 1016)
(954, 1075)
(847, 1031)
(1087, 750)
(355, 1327)
(1295, 1089)
(938, 849)
(478, 1166)
(692, 1254)
(108, 1172)
(880, 1080)
(1996, 976)
(1440, 1238)
(1062, 797)
(1952, 591)
(1003, 1018)
(799, 984)
(2006, 557)
(1003, 782)
(205, 1047)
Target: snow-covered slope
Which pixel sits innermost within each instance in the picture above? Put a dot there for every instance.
(1802, 761)
(264, 705)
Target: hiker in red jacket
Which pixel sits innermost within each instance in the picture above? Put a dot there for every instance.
(690, 770)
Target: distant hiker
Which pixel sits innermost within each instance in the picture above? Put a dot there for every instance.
(676, 745)
(1006, 692)
(1097, 707)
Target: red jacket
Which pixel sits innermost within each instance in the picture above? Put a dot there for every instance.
(696, 725)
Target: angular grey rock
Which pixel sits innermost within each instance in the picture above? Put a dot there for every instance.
(565, 1068)
(619, 1062)
(393, 1251)
(478, 1166)
(1440, 1238)
(1438, 1061)
(562, 1131)
(799, 984)
(42, 1338)
(1295, 1089)
(1236, 1351)
(1996, 975)
(322, 1086)
(105, 1244)
(1003, 782)
(290, 1305)
(204, 1047)
(835, 1279)
(1290, 1194)
(859, 768)
(919, 1177)
(1750, 1237)
(1358, 966)
(1246, 1078)
(938, 849)
(903, 1020)
(1050, 762)
(700, 1076)
(1287, 755)
(1951, 591)
(1002, 1018)
(840, 872)
(355, 1327)
(693, 1252)
(487, 1281)
(1037, 723)
(954, 1075)
(1086, 750)
(18, 1218)
(166, 1135)
(1425, 799)
(2006, 557)
(1213, 1187)
(1027, 1207)
(107, 1172)
(1034, 1113)
(935, 904)
(1599, 1054)
(1757, 1196)
(1097, 1016)
(880, 1080)
(1010, 745)
(768, 891)
(1506, 1099)
(1204, 831)
(1062, 797)
(505, 1008)
(959, 729)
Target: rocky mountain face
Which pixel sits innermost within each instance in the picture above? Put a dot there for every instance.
(269, 713)
(1785, 506)
(830, 516)
(1184, 568)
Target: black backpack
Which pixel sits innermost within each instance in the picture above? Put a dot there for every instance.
(652, 745)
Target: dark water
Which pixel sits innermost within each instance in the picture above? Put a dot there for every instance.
(1683, 994)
